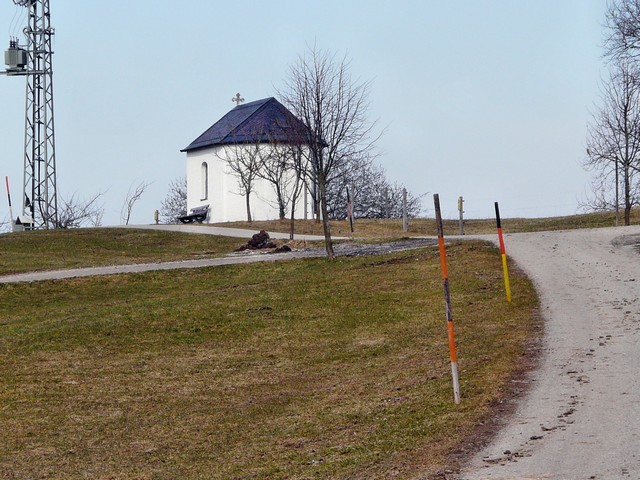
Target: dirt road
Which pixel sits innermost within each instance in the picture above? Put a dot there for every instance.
(581, 417)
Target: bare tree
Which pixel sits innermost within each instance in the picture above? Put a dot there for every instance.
(275, 169)
(613, 141)
(133, 195)
(174, 204)
(299, 160)
(295, 158)
(366, 183)
(394, 199)
(373, 195)
(244, 160)
(74, 213)
(623, 25)
(319, 91)
(286, 168)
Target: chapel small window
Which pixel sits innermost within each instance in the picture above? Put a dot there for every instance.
(204, 179)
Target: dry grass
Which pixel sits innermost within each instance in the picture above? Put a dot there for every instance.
(392, 228)
(90, 247)
(304, 369)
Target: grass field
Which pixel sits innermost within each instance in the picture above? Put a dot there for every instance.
(392, 228)
(91, 247)
(300, 369)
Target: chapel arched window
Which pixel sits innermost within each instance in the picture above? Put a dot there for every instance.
(204, 179)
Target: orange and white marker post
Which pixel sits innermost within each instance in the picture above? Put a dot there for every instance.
(503, 253)
(447, 301)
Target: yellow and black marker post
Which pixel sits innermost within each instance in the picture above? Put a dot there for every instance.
(503, 253)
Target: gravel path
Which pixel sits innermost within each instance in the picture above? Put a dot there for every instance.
(581, 417)
(248, 256)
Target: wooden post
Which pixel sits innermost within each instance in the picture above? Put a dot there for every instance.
(405, 220)
(503, 254)
(447, 301)
(461, 210)
(387, 207)
(350, 209)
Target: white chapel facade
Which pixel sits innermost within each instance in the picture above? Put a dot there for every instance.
(210, 181)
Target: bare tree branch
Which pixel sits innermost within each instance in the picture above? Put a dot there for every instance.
(275, 168)
(132, 197)
(75, 213)
(295, 161)
(243, 160)
(623, 24)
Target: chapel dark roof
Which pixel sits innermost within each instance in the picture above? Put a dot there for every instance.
(262, 121)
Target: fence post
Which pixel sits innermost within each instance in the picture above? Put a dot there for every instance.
(405, 220)
(461, 210)
(350, 209)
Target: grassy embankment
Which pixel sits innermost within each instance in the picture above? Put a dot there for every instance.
(91, 247)
(301, 369)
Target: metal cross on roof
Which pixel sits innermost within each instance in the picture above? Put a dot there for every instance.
(238, 99)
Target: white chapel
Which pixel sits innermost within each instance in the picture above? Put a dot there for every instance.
(210, 181)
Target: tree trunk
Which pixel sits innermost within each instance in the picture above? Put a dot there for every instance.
(292, 220)
(294, 199)
(627, 215)
(248, 207)
(627, 197)
(328, 243)
(282, 214)
(316, 200)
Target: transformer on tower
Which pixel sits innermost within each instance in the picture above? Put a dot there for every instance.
(33, 60)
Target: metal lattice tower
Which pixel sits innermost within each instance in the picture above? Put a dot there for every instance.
(39, 200)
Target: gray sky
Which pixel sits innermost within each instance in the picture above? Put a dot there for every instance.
(488, 99)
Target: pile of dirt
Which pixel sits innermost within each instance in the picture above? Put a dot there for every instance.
(261, 241)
